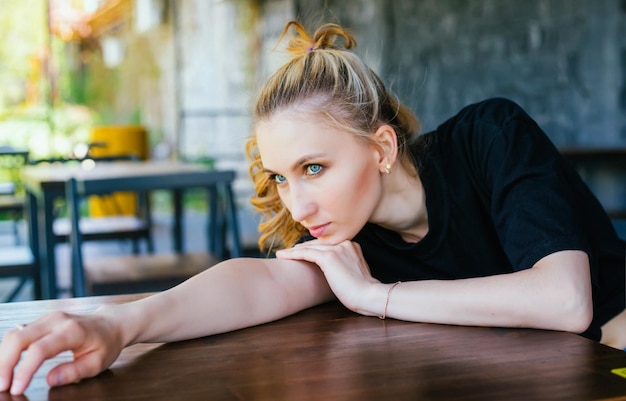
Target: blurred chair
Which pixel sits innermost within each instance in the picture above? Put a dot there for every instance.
(18, 262)
(13, 205)
(11, 197)
(115, 225)
(159, 271)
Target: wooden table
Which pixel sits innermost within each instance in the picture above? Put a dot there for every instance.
(46, 182)
(330, 353)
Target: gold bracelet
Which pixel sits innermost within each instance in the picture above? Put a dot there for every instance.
(387, 301)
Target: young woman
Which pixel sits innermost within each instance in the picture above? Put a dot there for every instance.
(480, 222)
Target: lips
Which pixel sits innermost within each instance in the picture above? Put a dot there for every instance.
(318, 231)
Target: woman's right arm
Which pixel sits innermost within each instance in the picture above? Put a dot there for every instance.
(234, 294)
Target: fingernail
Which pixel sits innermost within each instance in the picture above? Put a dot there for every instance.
(17, 387)
(56, 380)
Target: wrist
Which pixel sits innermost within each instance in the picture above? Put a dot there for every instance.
(376, 302)
(387, 299)
(120, 322)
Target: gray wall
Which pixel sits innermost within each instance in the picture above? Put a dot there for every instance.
(564, 61)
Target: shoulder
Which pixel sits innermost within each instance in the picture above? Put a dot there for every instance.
(477, 120)
(480, 125)
(494, 112)
(485, 135)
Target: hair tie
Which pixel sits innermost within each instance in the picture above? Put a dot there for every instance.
(310, 49)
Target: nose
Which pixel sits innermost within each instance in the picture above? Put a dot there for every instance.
(301, 204)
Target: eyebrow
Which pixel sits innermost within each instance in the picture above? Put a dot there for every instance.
(303, 160)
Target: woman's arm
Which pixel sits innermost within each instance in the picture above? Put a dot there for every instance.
(234, 294)
(554, 294)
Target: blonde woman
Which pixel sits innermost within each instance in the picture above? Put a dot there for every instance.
(479, 222)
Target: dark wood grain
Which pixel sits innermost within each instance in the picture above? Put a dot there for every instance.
(329, 353)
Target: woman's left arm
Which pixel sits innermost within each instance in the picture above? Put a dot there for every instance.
(554, 294)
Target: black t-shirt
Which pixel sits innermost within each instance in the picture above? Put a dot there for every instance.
(500, 197)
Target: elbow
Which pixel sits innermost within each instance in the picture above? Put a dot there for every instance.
(565, 282)
(579, 320)
(576, 311)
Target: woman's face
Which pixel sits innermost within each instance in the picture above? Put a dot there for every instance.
(328, 179)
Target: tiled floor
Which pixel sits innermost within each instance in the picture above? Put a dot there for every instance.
(194, 237)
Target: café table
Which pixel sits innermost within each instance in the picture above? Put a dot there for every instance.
(6, 150)
(330, 353)
(46, 182)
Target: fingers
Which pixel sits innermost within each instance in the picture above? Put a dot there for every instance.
(9, 356)
(317, 244)
(318, 253)
(343, 265)
(42, 339)
(72, 372)
(307, 254)
(14, 342)
(65, 338)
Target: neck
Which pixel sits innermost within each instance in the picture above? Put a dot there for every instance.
(403, 205)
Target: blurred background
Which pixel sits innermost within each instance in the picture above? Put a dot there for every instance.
(186, 71)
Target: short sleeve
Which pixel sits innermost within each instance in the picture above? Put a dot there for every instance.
(531, 196)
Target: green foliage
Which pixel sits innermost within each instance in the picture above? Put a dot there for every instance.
(23, 37)
(47, 120)
(44, 131)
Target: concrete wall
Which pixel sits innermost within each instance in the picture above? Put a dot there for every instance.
(564, 61)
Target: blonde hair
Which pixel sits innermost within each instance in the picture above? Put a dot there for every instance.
(321, 79)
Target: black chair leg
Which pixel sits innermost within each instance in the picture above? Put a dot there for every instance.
(16, 232)
(11, 297)
(150, 244)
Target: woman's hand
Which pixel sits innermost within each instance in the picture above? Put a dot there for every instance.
(93, 340)
(346, 271)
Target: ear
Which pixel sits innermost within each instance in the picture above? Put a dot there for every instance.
(386, 144)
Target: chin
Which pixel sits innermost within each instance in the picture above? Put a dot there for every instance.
(326, 241)
(332, 240)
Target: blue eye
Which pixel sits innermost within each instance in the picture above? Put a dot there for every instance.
(279, 179)
(313, 169)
